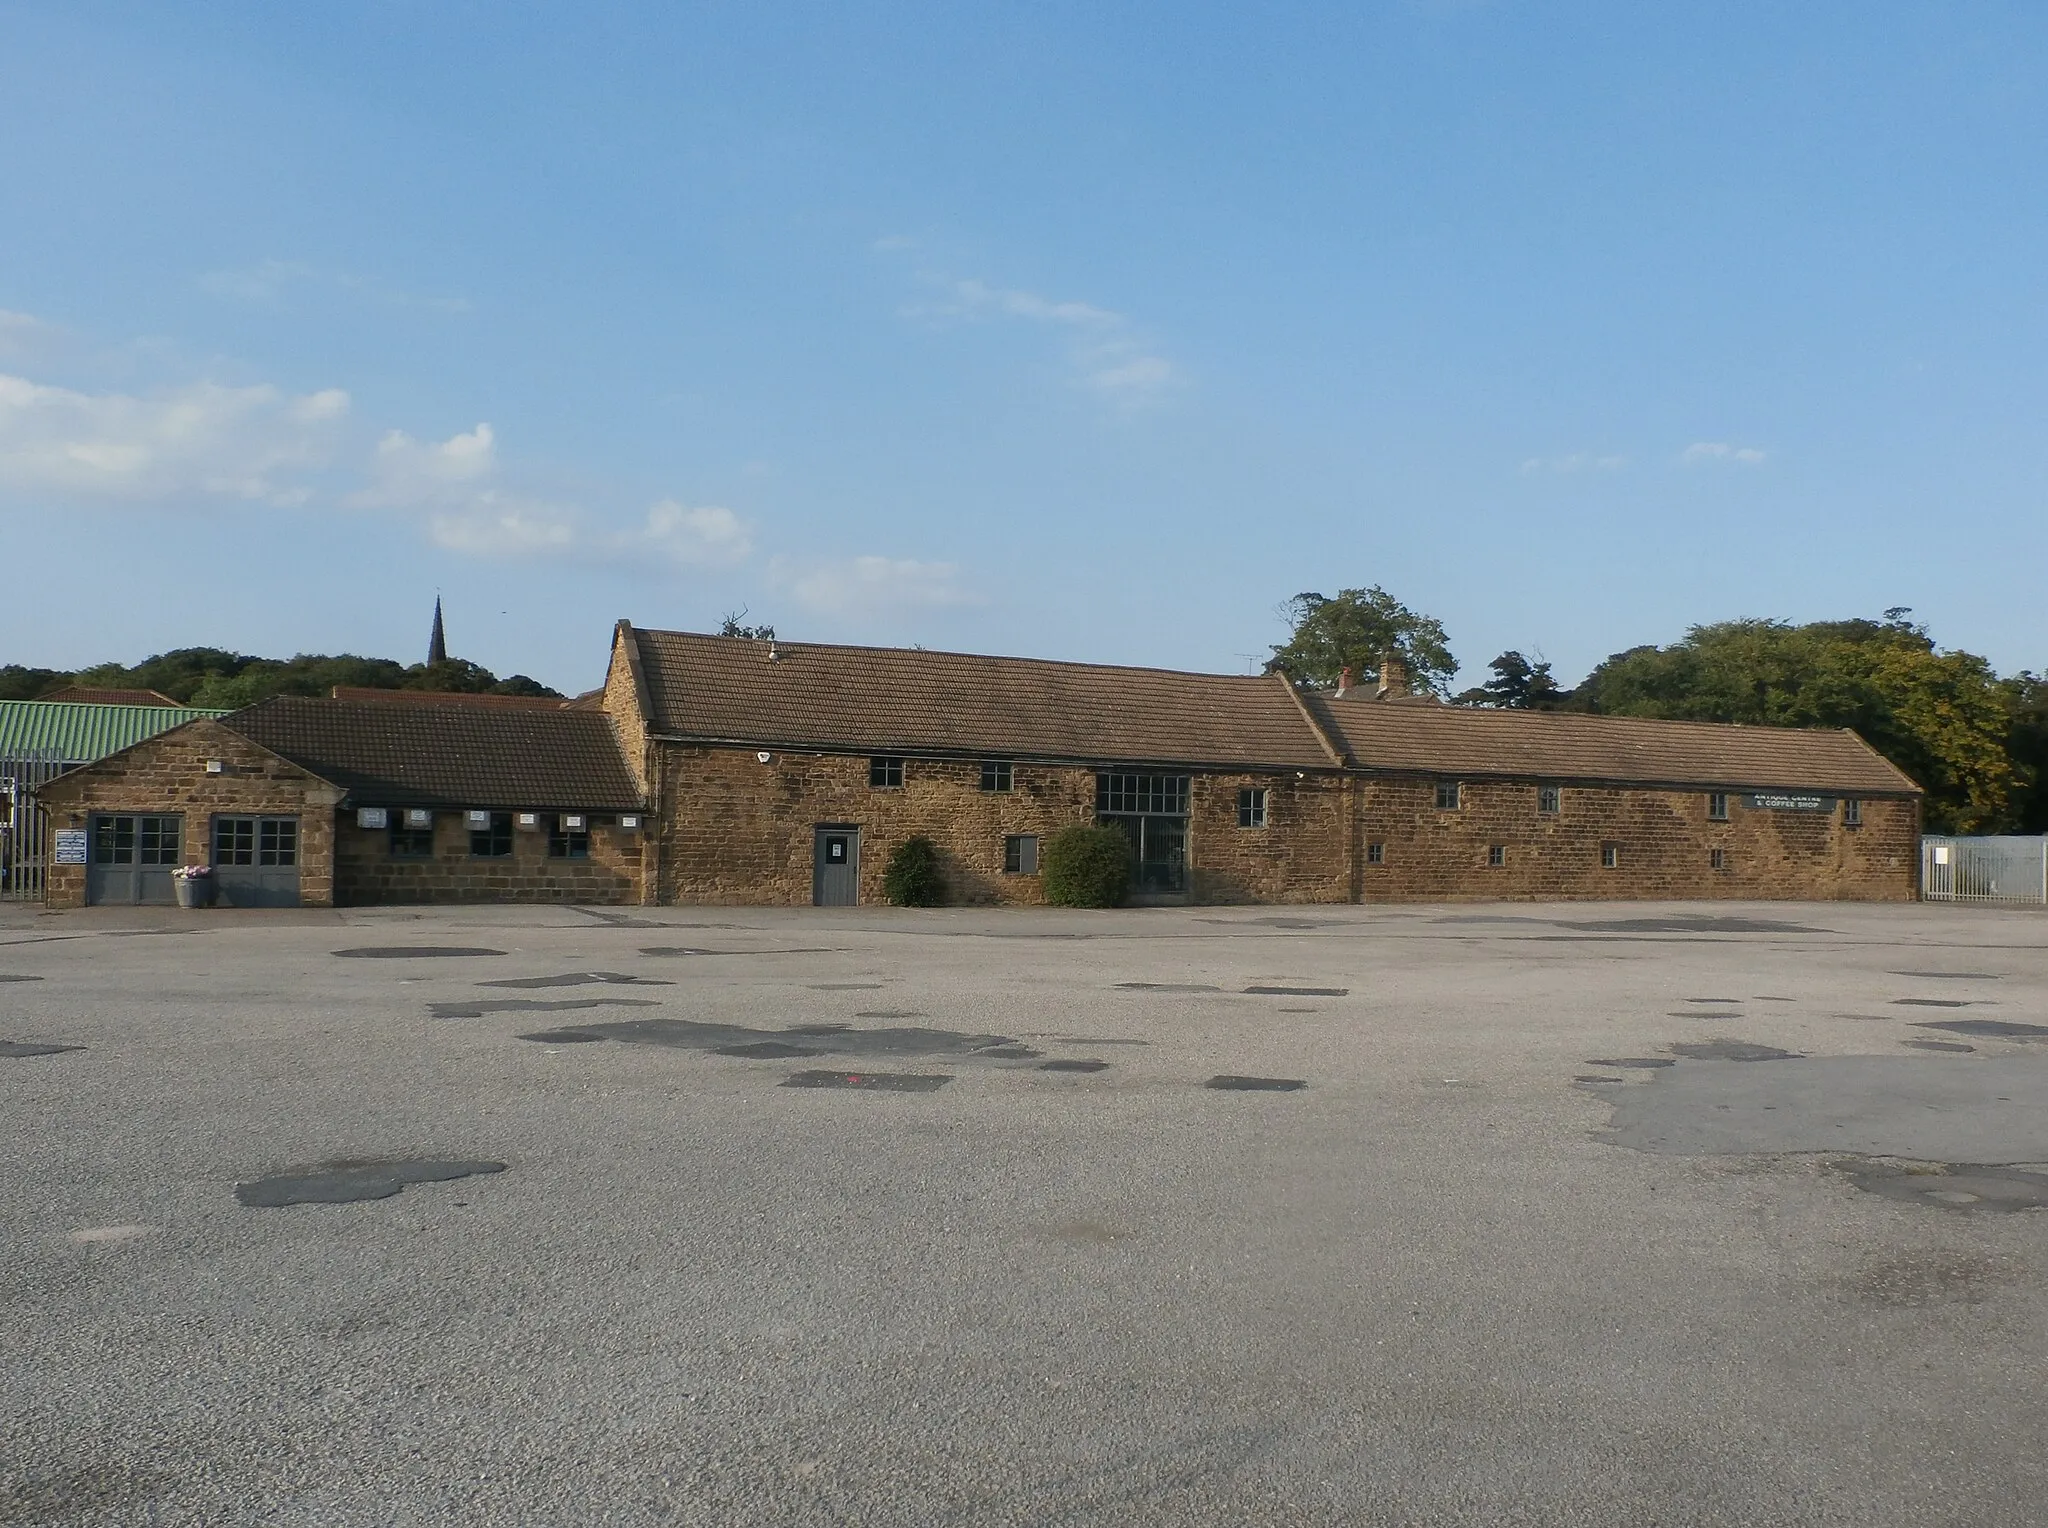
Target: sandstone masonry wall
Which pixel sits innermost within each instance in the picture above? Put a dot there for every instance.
(366, 874)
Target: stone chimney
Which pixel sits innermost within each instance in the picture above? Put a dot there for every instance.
(1343, 684)
(1393, 677)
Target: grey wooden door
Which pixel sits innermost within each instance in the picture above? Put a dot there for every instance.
(133, 856)
(256, 861)
(835, 872)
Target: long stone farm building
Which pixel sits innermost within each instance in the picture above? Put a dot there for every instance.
(721, 770)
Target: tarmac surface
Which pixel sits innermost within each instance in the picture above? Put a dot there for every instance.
(1499, 1215)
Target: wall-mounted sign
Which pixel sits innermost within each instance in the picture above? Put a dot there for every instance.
(419, 817)
(372, 817)
(574, 822)
(630, 822)
(1763, 801)
(71, 847)
(529, 819)
(478, 819)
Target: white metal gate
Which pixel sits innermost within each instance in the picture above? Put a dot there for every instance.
(2013, 870)
(24, 825)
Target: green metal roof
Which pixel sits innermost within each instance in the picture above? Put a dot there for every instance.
(78, 734)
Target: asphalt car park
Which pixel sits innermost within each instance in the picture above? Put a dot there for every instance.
(1529, 1214)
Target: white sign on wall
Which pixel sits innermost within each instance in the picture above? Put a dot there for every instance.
(71, 847)
(372, 817)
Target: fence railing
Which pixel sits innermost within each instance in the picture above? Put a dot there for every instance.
(24, 826)
(2008, 870)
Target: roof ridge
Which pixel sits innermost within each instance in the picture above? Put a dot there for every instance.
(786, 646)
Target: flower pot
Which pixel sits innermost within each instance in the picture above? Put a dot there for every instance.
(195, 891)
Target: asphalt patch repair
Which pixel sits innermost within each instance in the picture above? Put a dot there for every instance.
(1231, 1084)
(1298, 991)
(414, 952)
(875, 1082)
(33, 1048)
(581, 979)
(1950, 1185)
(352, 1180)
(793, 1040)
(1987, 1029)
(1731, 1050)
(477, 1008)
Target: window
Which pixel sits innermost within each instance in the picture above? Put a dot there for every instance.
(234, 841)
(1718, 859)
(1447, 796)
(566, 842)
(1717, 806)
(138, 840)
(1375, 854)
(277, 841)
(1550, 799)
(409, 840)
(1610, 856)
(493, 840)
(885, 772)
(266, 842)
(1852, 814)
(1251, 807)
(995, 774)
(1149, 795)
(1020, 854)
(1496, 854)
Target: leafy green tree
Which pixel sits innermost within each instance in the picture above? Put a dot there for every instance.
(1942, 717)
(19, 683)
(912, 877)
(2027, 745)
(734, 626)
(1355, 630)
(1516, 685)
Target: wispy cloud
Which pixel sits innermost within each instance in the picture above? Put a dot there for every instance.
(200, 440)
(1572, 463)
(1107, 355)
(873, 585)
(1705, 453)
(269, 282)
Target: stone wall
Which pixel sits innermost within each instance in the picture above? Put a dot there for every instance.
(366, 873)
(1301, 855)
(1663, 842)
(167, 774)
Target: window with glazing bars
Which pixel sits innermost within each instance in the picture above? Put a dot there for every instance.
(995, 774)
(1549, 799)
(565, 842)
(1852, 814)
(277, 841)
(1717, 806)
(1375, 854)
(494, 840)
(1020, 854)
(234, 841)
(1251, 807)
(410, 842)
(1496, 854)
(885, 771)
(1147, 795)
(1447, 795)
(1717, 859)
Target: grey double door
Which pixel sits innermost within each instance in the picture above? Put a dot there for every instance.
(133, 855)
(835, 867)
(256, 861)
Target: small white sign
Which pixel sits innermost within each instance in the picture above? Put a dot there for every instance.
(419, 817)
(372, 817)
(1941, 854)
(529, 819)
(630, 822)
(71, 847)
(573, 822)
(478, 819)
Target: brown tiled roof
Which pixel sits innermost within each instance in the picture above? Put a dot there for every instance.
(1555, 745)
(891, 700)
(86, 695)
(450, 698)
(450, 756)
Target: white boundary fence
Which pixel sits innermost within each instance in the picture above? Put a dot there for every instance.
(2009, 870)
(24, 826)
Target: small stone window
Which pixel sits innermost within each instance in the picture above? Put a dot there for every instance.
(1610, 856)
(569, 837)
(1496, 854)
(410, 840)
(995, 774)
(1717, 806)
(1251, 807)
(492, 839)
(1447, 793)
(885, 772)
(1718, 859)
(1020, 854)
(1375, 854)
(1852, 814)
(1550, 799)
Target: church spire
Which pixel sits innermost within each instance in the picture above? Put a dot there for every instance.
(437, 644)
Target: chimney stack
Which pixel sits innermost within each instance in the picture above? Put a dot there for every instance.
(1343, 683)
(1393, 677)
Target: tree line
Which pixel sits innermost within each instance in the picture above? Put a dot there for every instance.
(1976, 741)
(218, 680)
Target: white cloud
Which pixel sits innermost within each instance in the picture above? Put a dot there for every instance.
(1107, 357)
(868, 584)
(199, 440)
(21, 333)
(704, 535)
(1574, 462)
(406, 472)
(1707, 452)
(498, 528)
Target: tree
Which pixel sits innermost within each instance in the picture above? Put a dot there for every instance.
(1087, 866)
(1942, 717)
(19, 683)
(731, 627)
(1356, 630)
(2027, 746)
(913, 877)
(1516, 685)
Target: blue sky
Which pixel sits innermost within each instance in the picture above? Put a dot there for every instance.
(1085, 331)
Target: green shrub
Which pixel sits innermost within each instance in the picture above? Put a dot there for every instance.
(913, 879)
(1087, 867)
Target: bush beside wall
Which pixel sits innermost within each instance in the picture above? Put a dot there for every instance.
(1087, 867)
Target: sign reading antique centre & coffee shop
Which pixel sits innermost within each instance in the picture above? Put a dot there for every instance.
(1768, 801)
